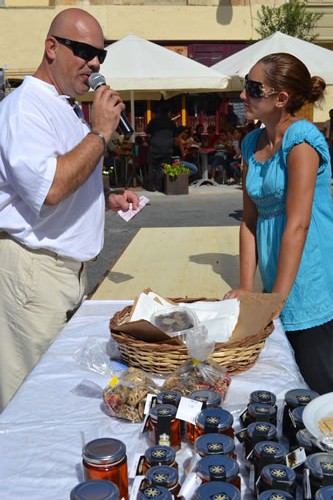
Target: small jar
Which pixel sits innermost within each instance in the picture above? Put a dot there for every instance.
(155, 492)
(219, 468)
(217, 489)
(296, 419)
(105, 458)
(209, 399)
(277, 476)
(260, 412)
(164, 428)
(320, 466)
(215, 444)
(214, 420)
(275, 495)
(262, 396)
(325, 493)
(169, 398)
(159, 455)
(267, 452)
(96, 489)
(164, 475)
(292, 399)
(256, 432)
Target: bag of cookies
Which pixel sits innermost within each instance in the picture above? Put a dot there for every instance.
(199, 372)
(125, 397)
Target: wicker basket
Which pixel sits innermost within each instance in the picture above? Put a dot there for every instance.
(164, 358)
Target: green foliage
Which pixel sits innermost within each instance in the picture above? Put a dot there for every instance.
(291, 18)
(174, 169)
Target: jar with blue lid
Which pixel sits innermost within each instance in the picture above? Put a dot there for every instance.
(260, 412)
(214, 420)
(256, 432)
(325, 493)
(155, 492)
(305, 440)
(292, 399)
(169, 398)
(320, 468)
(262, 396)
(219, 468)
(217, 490)
(215, 444)
(159, 455)
(267, 452)
(277, 476)
(96, 489)
(164, 428)
(296, 417)
(275, 495)
(209, 399)
(164, 475)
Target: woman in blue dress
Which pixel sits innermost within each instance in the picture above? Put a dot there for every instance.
(287, 225)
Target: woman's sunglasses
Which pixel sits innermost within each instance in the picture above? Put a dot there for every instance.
(256, 90)
(83, 50)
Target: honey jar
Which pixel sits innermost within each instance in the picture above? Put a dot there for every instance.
(267, 452)
(97, 489)
(169, 398)
(320, 467)
(164, 475)
(292, 399)
(155, 492)
(297, 424)
(159, 455)
(277, 476)
(215, 444)
(305, 439)
(217, 489)
(262, 396)
(218, 468)
(325, 493)
(164, 428)
(256, 432)
(275, 495)
(213, 420)
(105, 458)
(259, 412)
(209, 399)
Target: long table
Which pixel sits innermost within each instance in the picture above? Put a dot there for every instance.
(43, 427)
(176, 262)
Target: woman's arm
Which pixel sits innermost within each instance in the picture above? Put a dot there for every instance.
(248, 246)
(303, 162)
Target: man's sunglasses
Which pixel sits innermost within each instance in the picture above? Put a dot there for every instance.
(83, 50)
(256, 90)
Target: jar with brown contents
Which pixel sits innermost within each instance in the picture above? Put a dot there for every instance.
(164, 428)
(219, 468)
(164, 475)
(214, 420)
(209, 399)
(159, 455)
(105, 458)
(217, 489)
(215, 444)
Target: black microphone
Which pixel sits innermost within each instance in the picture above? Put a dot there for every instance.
(124, 127)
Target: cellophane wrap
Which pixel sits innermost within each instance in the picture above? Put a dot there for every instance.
(127, 398)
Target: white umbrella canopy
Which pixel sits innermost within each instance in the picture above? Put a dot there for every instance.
(151, 71)
(318, 60)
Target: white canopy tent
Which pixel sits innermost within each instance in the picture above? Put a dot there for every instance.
(318, 60)
(140, 69)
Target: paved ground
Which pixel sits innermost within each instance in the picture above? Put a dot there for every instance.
(203, 206)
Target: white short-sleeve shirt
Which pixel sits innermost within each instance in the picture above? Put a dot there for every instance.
(38, 125)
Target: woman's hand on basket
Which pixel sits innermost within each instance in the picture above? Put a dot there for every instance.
(236, 293)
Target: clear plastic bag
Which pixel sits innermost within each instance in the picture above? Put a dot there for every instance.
(199, 372)
(125, 397)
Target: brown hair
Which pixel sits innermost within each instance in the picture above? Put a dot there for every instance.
(286, 72)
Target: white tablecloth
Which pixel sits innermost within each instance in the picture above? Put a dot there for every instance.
(42, 428)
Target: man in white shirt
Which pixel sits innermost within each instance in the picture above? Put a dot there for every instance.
(51, 192)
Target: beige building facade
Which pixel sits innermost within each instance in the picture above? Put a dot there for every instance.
(174, 23)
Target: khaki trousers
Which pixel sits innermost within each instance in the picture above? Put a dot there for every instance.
(38, 292)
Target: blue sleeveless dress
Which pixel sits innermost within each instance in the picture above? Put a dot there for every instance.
(310, 302)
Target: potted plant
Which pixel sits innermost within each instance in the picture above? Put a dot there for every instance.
(175, 177)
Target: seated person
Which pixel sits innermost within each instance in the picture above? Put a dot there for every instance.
(182, 149)
(223, 155)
